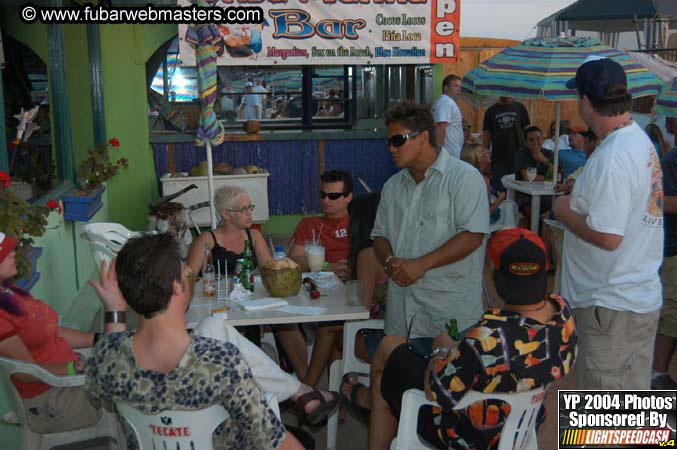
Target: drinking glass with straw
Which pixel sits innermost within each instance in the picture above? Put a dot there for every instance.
(315, 255)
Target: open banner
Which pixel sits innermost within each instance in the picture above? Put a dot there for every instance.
(326, 32)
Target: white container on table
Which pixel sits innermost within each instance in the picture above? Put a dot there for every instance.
(256, 186)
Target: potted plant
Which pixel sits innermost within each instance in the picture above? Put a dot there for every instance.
(93, 171)
(23, 221)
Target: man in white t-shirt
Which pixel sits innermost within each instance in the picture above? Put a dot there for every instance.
(251, 103)
(449, 132)
(613, 245)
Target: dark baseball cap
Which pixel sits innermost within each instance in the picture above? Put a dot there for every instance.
(520, 259)
(597, 76)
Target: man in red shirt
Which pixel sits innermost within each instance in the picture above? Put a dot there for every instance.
(331, 229)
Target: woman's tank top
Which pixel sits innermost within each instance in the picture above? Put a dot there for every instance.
(224, 256)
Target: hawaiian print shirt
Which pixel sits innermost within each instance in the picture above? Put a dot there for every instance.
(210, 372)
(505, 352)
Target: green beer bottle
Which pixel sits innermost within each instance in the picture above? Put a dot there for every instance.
(247, 272)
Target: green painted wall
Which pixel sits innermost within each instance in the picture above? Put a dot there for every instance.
(125, 50)
(59, 284)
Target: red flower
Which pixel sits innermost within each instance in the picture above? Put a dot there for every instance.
(4, 178)
(53, 204)
(114, 142)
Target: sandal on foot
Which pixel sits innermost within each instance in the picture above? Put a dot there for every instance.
(321, 412)
(361, 412)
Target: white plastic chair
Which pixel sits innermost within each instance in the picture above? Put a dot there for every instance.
(106, 427)
(349, 363)
(509, 216)
(193, 429)
(519, 429)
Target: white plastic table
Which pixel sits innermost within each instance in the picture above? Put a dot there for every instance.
(332, 299)
(535, 189)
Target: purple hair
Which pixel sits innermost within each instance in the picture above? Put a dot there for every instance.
(8, 301)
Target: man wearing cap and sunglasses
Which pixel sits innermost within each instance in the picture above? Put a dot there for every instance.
(529, 343)
(613, 243)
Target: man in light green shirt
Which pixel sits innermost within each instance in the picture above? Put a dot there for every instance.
(429, 231)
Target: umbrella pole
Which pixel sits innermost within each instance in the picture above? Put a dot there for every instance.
(210, 183)
(555, 165)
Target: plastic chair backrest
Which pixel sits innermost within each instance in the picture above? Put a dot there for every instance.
(106, 427)
(519, 429)
(176, 430)
(349, 363)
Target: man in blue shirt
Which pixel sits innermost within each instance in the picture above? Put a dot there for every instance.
(574, 157)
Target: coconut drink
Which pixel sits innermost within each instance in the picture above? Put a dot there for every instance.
(281, 277)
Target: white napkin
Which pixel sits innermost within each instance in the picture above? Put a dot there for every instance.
(308, 310)
(262, 303)
(239, 293)
(325, 280)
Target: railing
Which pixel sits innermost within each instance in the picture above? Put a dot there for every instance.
(668, 54)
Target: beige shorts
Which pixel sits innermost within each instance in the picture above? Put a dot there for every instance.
(667, 324)
(615, 348)
(60, 409)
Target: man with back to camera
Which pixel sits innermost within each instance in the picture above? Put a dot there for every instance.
(503, 127)
(448, 119)
(160, 366)
(613, 245)
(527, 344)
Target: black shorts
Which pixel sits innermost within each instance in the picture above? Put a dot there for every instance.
(405, 370)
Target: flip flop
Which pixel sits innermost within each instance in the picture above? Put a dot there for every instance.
(321, 412)
(361, 412)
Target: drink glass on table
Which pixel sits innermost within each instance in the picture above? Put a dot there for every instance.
(315, 257)
(531, 174)
(354, 292)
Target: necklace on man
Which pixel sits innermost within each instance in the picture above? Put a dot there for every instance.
(627, 123)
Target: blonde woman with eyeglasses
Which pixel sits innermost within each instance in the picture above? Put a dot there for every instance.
(227, 242)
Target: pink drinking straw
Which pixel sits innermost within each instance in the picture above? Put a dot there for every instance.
(319, 237)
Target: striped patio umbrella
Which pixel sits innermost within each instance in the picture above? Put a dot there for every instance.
(539, 68)
(210, 130)
(666, 101)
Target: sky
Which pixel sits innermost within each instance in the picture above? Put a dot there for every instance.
(510, 19)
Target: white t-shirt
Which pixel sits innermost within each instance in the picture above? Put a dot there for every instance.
(262, 98)
(250, 103)
(621, 192)
(446, 110)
